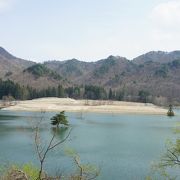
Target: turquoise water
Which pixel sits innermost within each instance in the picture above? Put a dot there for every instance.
(123, 146)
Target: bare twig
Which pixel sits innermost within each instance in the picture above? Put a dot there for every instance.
(42, 151)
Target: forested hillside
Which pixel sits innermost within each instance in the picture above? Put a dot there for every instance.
(152, 77)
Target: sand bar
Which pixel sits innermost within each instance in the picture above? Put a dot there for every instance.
(72, 105)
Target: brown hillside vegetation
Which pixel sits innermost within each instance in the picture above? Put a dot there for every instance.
(157, 73)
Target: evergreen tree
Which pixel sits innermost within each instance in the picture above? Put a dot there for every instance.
(110, 96)
(59, 119)
(60, 91)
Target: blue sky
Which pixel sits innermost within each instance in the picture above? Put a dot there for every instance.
(88, 30)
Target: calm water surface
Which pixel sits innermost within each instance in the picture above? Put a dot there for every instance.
(123, 146)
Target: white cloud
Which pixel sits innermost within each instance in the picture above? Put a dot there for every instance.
(167, 15)
(165, 23)
(5, 5)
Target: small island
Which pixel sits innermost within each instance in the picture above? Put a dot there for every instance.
(170, 111)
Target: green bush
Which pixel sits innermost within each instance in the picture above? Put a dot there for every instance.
(28, 170)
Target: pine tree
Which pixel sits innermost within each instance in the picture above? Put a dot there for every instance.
(59, 119)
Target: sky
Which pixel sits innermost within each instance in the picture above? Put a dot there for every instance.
(88, 30)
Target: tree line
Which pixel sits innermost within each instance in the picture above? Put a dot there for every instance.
(10, 88)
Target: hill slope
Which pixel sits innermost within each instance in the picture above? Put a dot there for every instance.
(10, 64)
(157, 56)
(156, 73)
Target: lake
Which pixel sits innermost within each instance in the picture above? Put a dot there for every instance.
(123, 146)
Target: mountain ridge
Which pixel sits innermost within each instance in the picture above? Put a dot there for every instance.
(157, 56)
(156, 72)
(9, 64)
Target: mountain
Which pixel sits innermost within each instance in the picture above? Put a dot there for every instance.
(26, 72)
(72, 70)
(156, 73)
(157, 56)
(10, 64)
(97, 73)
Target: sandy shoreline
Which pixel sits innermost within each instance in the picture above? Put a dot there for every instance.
(71, 105)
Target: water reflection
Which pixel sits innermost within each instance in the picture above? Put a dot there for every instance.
(5, 117)
(60, 132)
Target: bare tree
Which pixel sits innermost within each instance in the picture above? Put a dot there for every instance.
(42, 150)
(170, 160)
(172, 156)
(84, 171)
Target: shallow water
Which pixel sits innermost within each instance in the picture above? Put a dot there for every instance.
(123, 146)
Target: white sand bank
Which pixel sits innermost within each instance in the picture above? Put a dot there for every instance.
(71, 105)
